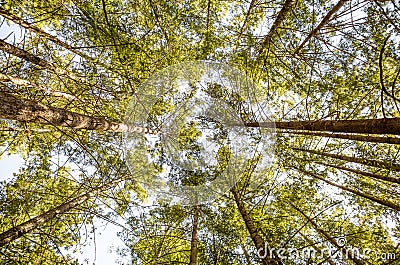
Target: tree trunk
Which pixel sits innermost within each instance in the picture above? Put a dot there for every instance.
(25, 130)
(11, 49)
(363, 173)
(194, 241)
(367, 126)
(312, 244)
(363, 138)
(356, 192)
(363, 161)
(255, 236)
(278, 21)
(22, 82)
(246, 254)
(25, 110)
(324, 21)
(30, 27)
(39, 220)
(346, 252)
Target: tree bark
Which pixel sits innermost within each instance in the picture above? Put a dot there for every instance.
(30, 27)
(367, 126)
(356, 192)
(11, 49)
(363, 161)
(20, 230)
(363, 138)
(324, 21)
(255, 236)
(22, 82)
(346, 252)
(25, 110)
(363, 173)
(287, 5)
(194, 240)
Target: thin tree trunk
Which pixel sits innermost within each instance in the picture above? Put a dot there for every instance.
(324, 21)
(312, 244)
(363, 138)
(346, 252)
(246, 254)
(30, 27)
(351, 190)
(287, 5)
(194, 241)
(255, 236)
(20, 230)
(367, 126)
(11, 49)
(22, 82)
(9, 129)
(363, 161)
(25, 110)
(363, 173)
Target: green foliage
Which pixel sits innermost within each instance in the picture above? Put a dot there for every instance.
(337, 75)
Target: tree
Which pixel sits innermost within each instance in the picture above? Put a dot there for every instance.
(329, 70)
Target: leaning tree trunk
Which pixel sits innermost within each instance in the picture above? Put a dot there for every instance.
(324, 21)
(194, 240)
(363, 161)
(36, 30)
(11, 49)
(287, 5)
(345, 251)
(363, 173)
(319, 250)
(22, 82)
(259, 242)
(367, 126)
(354, 137)
(24, 228)
(25, 110)
(351, 190)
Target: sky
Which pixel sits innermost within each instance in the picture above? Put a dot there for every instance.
(106, 234)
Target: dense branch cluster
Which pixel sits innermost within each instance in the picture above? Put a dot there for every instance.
(329, 71)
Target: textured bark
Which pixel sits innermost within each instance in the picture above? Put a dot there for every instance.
(30, 27)
(24, 110)
(354, 137)
(24, 228)
(255, 236)
(351, 190)
(367, 126)
(287, 5)
(22, 82)
(324, 21)
(346, 252)
(363, 161)
(363, 173)
(194, 240)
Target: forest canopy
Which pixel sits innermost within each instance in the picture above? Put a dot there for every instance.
(328, 72)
